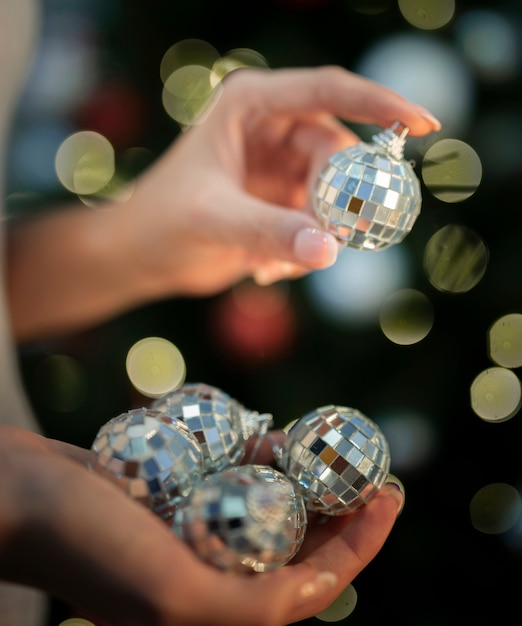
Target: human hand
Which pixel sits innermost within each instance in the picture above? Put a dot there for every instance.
(229, 199)
(215, 207)
(72, 533)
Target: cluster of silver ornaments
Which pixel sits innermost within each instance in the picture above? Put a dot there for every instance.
(368, 196)
(182, 459)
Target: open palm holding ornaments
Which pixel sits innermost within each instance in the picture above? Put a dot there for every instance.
(184, 459)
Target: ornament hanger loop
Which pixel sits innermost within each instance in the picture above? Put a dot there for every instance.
(393, 139)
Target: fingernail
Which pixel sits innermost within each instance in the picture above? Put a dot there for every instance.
(323, 582)
(437, 125)
(395, 489)
(313, 246)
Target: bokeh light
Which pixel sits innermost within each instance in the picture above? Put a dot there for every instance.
(504, 340)
(495, 508)
(76, 621)
(187, 52)
(451, 170)
(192, 71)
(427, 14)
(351, 291)
(455, 259)
(341, 607)
(412, 437)
(66, 69)
(85, 162)
(254, 325)
(133, 161)
(129, 164)
(370, 7)
(236, 59)
(118, 189)
(490, 42)
(62, 383)
(406, 317)
(188, 94)
(496, 394)
(155, 366)
(32, 163)
(426, 70)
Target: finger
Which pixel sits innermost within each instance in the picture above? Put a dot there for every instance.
(319, 138)
(345, 545)
(75, 453)
(237, 218)
(328, 89)
(339, 550)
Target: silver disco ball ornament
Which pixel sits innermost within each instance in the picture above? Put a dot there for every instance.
(155, 459)
(338, 457)
(221, 425)
(244, 518)
(367, 195)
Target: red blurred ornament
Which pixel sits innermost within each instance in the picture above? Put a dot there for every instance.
(253, 324)
(116, 110)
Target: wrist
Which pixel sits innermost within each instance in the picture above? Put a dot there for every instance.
(70, 266)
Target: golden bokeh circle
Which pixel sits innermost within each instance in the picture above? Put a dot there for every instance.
(455, 259)
(341, 607)
(406, 316)
(155, 366)
(187, 52)
(236, 59)
(427, 14)
(505, 340)
(85, 162)
(451, 170)
(188, 94)
(496, 394)
(495, 508)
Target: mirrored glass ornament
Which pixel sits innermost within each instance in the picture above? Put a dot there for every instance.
(368, 196)
(156, 460)
(244, 518)
(221, 425)
(338, 457)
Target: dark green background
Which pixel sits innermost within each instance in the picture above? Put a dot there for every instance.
(435, 569)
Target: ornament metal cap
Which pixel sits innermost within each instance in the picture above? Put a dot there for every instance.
(393, 139)
(254, 423)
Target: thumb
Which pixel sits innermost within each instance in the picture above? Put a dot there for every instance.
(271, 231)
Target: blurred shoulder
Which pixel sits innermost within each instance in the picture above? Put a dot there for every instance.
(19, 31)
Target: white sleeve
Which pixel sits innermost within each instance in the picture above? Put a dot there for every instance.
(19, 21)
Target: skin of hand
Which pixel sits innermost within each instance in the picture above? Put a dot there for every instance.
(230, 198)
(72, 533)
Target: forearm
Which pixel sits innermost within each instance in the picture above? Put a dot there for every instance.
(67, 269)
